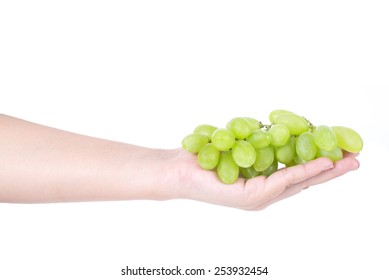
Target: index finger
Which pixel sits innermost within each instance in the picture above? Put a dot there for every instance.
(280, 180)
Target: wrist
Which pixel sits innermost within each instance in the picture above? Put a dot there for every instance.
(152, 174)
(171, 174)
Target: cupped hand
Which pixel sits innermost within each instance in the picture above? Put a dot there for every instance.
(259, 192)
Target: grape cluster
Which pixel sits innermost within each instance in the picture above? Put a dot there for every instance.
(247, 148)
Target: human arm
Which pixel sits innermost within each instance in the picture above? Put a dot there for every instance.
(44, 164)
(41, 164)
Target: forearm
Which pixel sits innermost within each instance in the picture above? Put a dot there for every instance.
(42, 164)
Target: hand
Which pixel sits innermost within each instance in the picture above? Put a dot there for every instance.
(259, 192)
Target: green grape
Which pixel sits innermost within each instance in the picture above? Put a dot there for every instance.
(208, 157)
(298, 160)
(279, 134)
(325, 138)
(240, 127)
(305, 146)
(264, 158)
(227, 169)
(348, 139)
(259, 139)
(291, 163)
(294, 123)
(194, 142)
(223, 139)
(205, 129)
(286, 153)
(271, 169)
(275, 113)
(243, 153)
(253, 123)
(249, 172)
(334, 155)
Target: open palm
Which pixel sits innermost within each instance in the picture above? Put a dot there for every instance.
(259, 192)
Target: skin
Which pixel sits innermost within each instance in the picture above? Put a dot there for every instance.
(40, 164)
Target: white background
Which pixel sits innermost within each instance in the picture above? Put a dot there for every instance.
(147, 72)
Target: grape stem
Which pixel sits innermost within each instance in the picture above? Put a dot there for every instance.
(311, 126)
(266, 127)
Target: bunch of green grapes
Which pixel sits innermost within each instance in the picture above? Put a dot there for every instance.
(247, 148)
